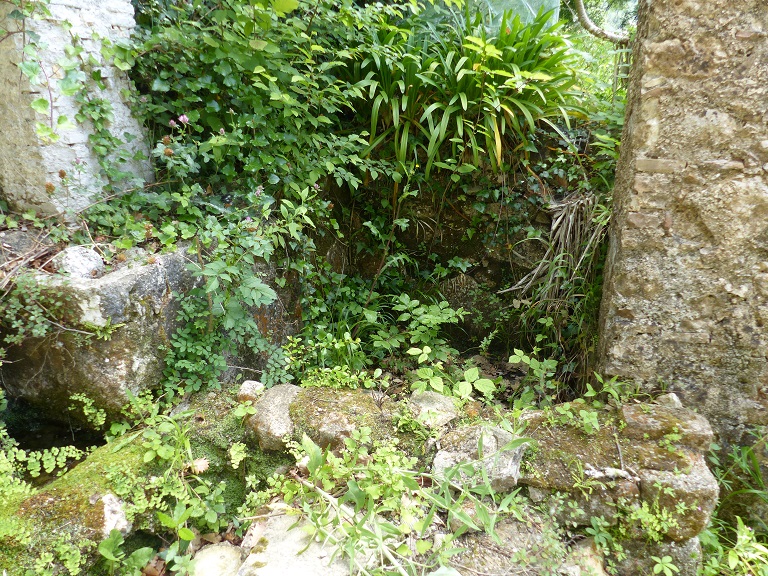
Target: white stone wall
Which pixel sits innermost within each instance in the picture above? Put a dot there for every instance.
(30, 169)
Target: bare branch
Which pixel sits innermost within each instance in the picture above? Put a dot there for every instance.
(594, 29)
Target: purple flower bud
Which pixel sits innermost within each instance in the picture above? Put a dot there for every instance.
(183, 119)
(172, 124)
(222, 131)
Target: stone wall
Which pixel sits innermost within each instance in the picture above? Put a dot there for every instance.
(686, 294)
(29, 166)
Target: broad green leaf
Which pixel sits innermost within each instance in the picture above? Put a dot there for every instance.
(64, 123)
(186, 534)
(30, 69)
(371, 316)
(284, 6)
(437, 383)
(485, 386)
(160, 85)
(40, 105)
(463, 389)
(111, 545)
(166, 520)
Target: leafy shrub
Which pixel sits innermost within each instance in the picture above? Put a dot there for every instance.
(257, 86)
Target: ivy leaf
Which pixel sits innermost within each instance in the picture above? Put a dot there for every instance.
(30, 70)
(40, 105)
(64, 123)
(160, 85)
(72, 83)
(121, 64)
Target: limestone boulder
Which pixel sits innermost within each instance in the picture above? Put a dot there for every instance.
(686, 556)
(643, 456)
(222, 559)
(64, 173)
(432, 409)
(250, 391)
(684, 292)
(79, 262)
(272, 421)
(329, 416)
(282, 545)
(655, 421)
(466, 451)
(20, 246)
(691, 497)
(532, 546)
(122, 321)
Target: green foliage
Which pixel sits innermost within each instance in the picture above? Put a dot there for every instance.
(114, 557)
(566, 414)
(258, 109)
(664, 565)
(460, 384)
(362, 333)
(27, 311)
(178, 495)
(599, 531)
(96, 417)
(257, 86)
(432, 88)
(342, 377)
(540, 382)
(743, 554)
(733, 547)
(740, 475)
(369, 500)
(653, 520)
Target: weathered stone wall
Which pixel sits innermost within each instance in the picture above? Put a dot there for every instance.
(29, 167)
(686, 292)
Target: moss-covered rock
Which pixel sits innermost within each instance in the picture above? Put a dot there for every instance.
(214, 428)
(328, 416)
(643, 468)
(74, 512)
